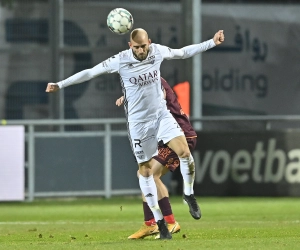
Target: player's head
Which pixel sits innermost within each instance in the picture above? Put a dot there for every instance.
(139, 43)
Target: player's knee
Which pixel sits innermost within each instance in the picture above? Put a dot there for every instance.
(144, 171)
(156, 175)
(184, 153)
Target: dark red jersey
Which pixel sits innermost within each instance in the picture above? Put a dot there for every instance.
(176, 110)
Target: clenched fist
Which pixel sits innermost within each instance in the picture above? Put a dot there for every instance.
(52, 87)
(219, 37)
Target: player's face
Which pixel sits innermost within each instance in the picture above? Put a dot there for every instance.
(140, 49)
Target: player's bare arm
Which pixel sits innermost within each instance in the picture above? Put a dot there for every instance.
(219, 37)
(52, 87)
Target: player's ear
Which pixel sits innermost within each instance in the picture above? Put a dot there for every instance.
(129, 44)
(149, 40)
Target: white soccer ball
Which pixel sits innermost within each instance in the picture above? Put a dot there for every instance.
(119, 21)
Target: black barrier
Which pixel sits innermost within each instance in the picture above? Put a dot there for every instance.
(248, 164)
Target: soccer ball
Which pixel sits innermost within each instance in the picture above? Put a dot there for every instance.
(119, 21)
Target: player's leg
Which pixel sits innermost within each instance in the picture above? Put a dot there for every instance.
(159, 170)
(148, 188)
(170, 161)
(169, 132)
(149, 226)
(187, 166)
(144, 146)
(163, 198)
(166, 161)
(187, 169)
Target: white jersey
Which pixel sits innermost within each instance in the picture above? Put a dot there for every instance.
(140, 80)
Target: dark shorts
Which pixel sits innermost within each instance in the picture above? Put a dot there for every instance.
(168, 158)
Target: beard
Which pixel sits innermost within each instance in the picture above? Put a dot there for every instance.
(141, 57)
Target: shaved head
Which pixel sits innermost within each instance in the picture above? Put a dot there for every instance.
(138, 35)
(139, 43)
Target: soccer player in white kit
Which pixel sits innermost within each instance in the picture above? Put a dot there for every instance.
(149, 120)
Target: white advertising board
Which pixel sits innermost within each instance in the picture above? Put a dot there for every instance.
(12, 163)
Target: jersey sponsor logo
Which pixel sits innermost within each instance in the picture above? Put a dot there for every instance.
(139, 152)
(145, 79)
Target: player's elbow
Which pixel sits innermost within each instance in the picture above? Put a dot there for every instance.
(91, 74)
(178, 54)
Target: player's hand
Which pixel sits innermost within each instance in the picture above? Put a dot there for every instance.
(219, 37)
(120, 101)
(52, 87)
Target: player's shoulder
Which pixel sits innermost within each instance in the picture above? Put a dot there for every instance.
(125, 55)
(155, 48)
(155, 45)
(159, 47)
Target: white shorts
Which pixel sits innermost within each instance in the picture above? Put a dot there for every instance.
(144, 136)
